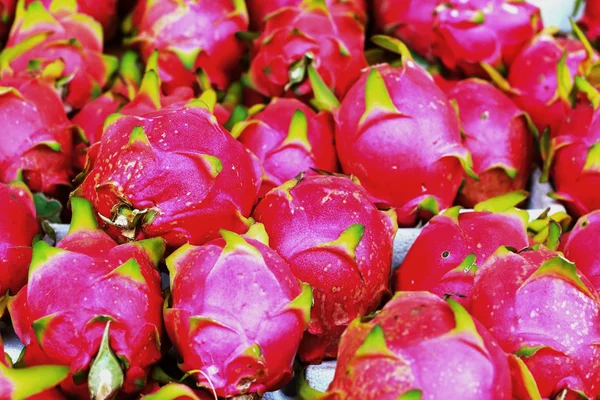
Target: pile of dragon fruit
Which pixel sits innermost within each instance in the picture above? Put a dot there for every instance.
(233, 174)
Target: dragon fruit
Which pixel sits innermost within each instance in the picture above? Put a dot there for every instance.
(289, 138)
(591, 20)
(496, 133)
(471, 32)
(295, 38)
(176, 391)
(178, 30)
(174, 173)
(108, 325)
(34, 383)
(534, 74)
(395, 125)
(18, 228)
(66, 44)
(418, 346)
(410, 21)
(105, 12)
(539, 307)
(336, 240)
(7, 13)
(230, 344)
(445, 256)
(577, 243)
(260, 10)
(39, 138)
(573, 159)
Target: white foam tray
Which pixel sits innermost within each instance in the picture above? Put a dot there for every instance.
(319, 376)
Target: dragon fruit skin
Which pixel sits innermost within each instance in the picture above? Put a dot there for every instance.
(441, 259)
(177, 29)
(337, 241)
(391, 355)
(40, 141)
(289, 138)
(591, 20)
(296, 36)
(497, 135)
(109, 282)
(260, 10)
(577, 243)
(241, 347)
(489, 31)
(396, 125)
(574, 161)
(533, 74)
(173, 173)
(18, 228)
(66, 43)
(410, 21)
(542, 309)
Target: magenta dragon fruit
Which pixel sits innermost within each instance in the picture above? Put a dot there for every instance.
(65, 44)
(38, 142)
(260, 10)
(107, 326)
(446, 254)
(230, 344)
(174, 173)
(18, 228)
(105, 12)
(337, 241)
(410, 21)
(534, 78)
(573, 158)
(540, 308)
(393, 355)
(178, 30)
(396, 125)
(289, 138)
(471, 32)
(577, 243)
(295, 38)
(497, 134)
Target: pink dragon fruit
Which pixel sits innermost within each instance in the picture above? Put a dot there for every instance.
(289, 138)
(496, 133)
(39, 141)
(395, 125)
(7, 13)
(310, 34)
(410, 21)
(33, 383)
(105, 12)
(591, 20)
(573, 159)
(576, 247)
(18, 228)
(445, 256)
(174, 173)
(178, 30)
(542, 309)
(336, 240)
(471, 32)
(114, 289)
(66, 44)
(260, 10)
(418, 346)
(534, 74)
(230, 344)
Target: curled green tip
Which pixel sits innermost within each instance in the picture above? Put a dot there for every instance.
(503, 202)
(106, 376)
